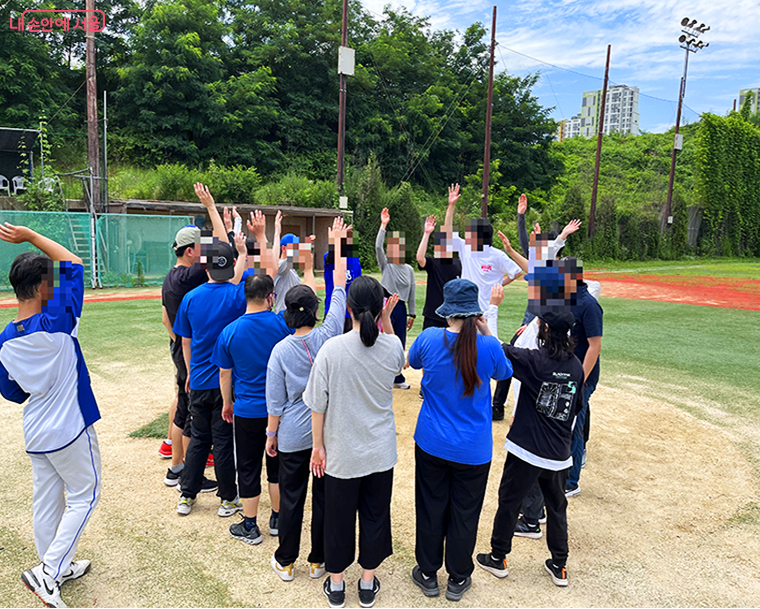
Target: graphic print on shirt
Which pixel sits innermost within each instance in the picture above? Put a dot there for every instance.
(486, 268)
(555, 400)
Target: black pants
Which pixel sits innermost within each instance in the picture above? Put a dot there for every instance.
(429, 322)
(516, 482)
(209, 429)
(294, 484)
(398, 321)
(250, 447)
(448, 499)
(371, 497)
(182, 418)
(502, 391)
(533, 504)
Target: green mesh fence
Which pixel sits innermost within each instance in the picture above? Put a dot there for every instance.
(73, 230)
(135, 249)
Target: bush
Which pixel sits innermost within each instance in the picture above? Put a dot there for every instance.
(298, 190)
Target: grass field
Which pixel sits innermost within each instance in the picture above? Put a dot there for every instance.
(670, 515)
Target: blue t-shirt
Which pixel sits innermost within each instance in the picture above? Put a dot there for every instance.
(451, 426)
(353, 270)
(588, 322)
(244, 347)
(202, 315)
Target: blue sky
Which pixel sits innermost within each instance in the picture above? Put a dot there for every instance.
(573, 34)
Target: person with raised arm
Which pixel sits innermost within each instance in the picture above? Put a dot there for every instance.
(350, 393)
(398, 278)
(41, 363)
(289, 429)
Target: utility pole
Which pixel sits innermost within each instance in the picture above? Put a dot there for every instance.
(92, 110)
(342, 107)
(489, 114)
(689, 41)
(600, 133)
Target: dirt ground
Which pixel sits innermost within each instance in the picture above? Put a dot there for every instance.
(667, 517)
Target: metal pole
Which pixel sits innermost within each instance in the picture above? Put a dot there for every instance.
(92, 104)
(600, 133)
(489, 114)
(42, 154)
(342, 106)
(105, 148)
(681, 93)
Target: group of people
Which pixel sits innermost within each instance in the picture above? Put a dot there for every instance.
(261, 384)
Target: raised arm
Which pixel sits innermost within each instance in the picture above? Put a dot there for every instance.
(422, 249)
(258, 227)
(276, 236)
(522, 231)
(453, 198)
(308, 269)
(208, 202)
(22, 234)
(385, 217)
(338, 232)
(242, 259)
(521, 261)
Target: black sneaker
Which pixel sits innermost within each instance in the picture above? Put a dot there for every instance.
(367, 597)
(498, 413)
(172, 479)
(274, 525)
(542, 520)
(335, 598)
(429, 586)
(572, 491)
(455, 590)
(495, 567)
(252, 537)
(207, 486)
(559, 574)
(525, 529)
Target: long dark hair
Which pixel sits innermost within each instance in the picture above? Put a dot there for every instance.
(365, 297)
(465, 353)
(560, 344)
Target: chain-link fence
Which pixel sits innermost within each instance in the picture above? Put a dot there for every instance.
(131, 249)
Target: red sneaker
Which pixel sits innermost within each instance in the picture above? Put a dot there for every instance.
(165, 451)
(210, 460)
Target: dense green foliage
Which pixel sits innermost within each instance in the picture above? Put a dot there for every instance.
(728, 158)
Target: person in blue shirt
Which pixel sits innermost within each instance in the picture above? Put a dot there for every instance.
(454, 442)
(242, 352)
(353, 270)
(203, 313)
(41, 363)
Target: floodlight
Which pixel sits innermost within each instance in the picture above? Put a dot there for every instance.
(685, 21)
(682, 38)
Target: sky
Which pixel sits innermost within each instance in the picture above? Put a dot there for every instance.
(566, 40)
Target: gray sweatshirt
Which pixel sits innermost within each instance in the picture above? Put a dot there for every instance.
(397, 278)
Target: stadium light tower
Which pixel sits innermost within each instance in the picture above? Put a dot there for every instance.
(689, 39)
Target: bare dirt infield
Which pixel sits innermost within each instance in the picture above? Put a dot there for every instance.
(708, 291)
(661, 520)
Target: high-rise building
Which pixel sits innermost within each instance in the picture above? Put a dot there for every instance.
(753, 94)
(621, 114)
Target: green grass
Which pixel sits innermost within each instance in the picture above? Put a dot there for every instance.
(746, 268)
(155, 429)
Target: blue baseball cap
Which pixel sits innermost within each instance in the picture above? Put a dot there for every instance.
(287, 239)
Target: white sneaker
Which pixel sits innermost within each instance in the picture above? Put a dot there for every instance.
(402, 386)
(77, 569)
(185, 505)
(316, 570)
(285, 573)
(228, 508)
(45, 587)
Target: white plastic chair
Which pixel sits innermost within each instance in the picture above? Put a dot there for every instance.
(47, 184)
(5, 185)
(18, 184)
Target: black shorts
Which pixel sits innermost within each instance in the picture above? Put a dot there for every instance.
(250, 445)
(182, 416)
(429, 322)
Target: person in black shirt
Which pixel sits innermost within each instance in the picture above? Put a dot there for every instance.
(183, 277)
(538, 443)
(441, 269)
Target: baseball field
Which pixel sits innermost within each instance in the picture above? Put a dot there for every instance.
(669, 513)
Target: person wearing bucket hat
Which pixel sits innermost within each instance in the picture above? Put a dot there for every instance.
(186, 275)
(453, 437)
(538, 442)
(289, 428)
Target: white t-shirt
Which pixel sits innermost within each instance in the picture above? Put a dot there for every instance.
(484, 268)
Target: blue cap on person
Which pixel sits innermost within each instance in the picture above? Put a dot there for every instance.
(460, 299)
(287, 239)
(220, 261)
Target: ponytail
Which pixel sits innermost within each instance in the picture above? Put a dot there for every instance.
(465, 353)
(365, 299)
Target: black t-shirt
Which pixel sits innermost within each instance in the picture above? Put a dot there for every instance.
(178, 282)
(440, 271)
(551, 394)
(588, 322)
